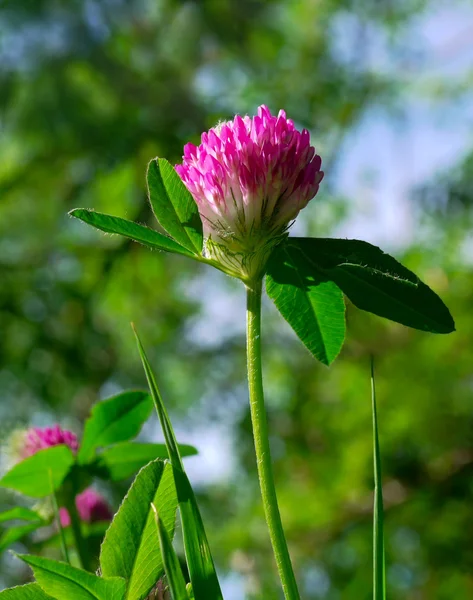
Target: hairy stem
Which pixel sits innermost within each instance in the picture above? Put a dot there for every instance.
(260, 434)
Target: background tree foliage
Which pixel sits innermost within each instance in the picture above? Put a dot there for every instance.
(89, 92)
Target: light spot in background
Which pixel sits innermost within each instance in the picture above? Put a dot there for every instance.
(316, 581)
(215, 462)
(386, 157)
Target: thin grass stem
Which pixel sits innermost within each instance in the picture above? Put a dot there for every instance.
(379, 577)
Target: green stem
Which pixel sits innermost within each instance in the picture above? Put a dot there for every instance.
(260, 434)
(379, 581)
(57, 517)
(79, 541)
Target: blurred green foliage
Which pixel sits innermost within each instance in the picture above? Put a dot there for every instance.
(89, 92)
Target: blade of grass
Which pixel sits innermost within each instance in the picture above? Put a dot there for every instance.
(198, 555)
(379, 579)
(172, 567)
(170, 438)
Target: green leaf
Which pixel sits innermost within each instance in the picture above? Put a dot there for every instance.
(198, 555)
(21, 513)
(123, 460)
(313, 306)
(172, 567)
(173, 205)
(35, 475)
(129, 549)
(114, 420)
(379, 569)
(138, 233)
(90, 532)
(30, 591)
(62, 581)
(17, 532)
(377, 283)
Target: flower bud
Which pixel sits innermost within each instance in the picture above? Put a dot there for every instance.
(91, 506)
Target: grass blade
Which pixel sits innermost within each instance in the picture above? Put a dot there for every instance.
(172, 567)
(170, 438)
(199, 558)
(379, 578)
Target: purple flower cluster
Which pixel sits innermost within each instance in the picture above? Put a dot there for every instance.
(250, 177)
(38, 438)
(91, 506)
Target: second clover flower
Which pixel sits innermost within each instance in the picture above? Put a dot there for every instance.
(250, 177)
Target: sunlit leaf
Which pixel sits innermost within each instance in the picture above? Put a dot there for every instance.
(114, 420)
(21, 513)
(174, 206)
(198, 555)
(130, 547)
(123, 460)
(35, 475)
(138, 233)
(30, 591)
(65, 582)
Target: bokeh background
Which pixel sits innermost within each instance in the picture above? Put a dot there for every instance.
(90, 90)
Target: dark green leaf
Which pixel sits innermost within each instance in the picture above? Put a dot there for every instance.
(199, 558)
(173, 205)
(123, 460)
(114, 420)
(138, 233)
(376, 282)
(21, 513)
(62, 581)
(313, 306)
(172, 567)
(35, 475)
(129, 548)
(30, 591)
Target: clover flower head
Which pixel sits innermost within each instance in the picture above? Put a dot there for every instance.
(250, 177)
(91, 506)
(37, 438)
